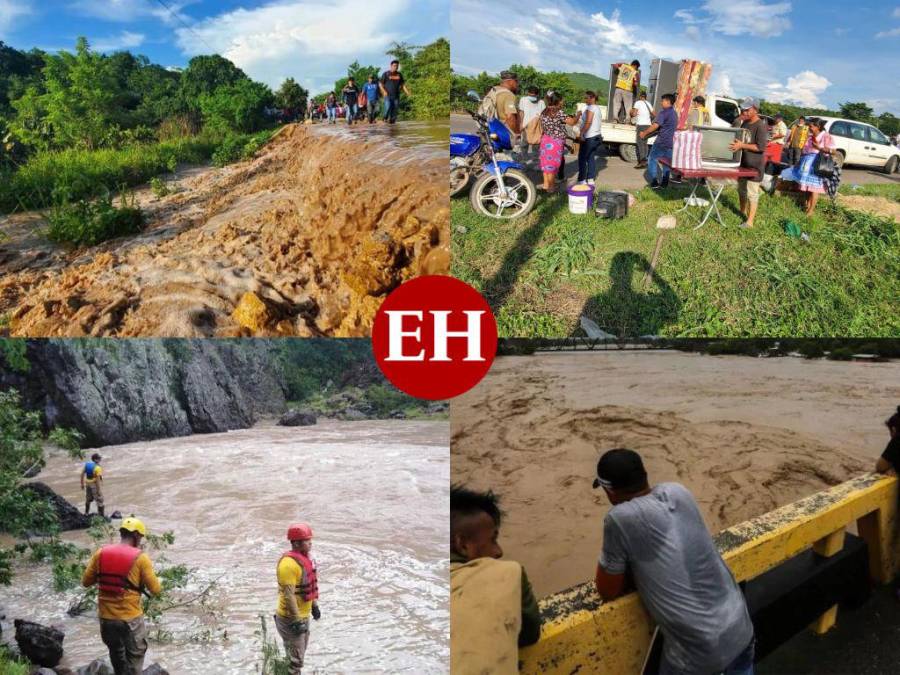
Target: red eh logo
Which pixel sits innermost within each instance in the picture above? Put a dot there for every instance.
(434, 337)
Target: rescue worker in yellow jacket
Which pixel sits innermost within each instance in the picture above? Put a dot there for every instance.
(91, 479)
(122, 572)
(298, 592)
(493, 610)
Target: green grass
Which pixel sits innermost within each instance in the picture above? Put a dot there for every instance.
(88, 173)
(888, 190)
(541, 273)
(88, 222)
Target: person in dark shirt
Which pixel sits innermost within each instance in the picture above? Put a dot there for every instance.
(889, 462)
(392, 83)
(752, 157)
(489, 597)
(665, 122)
(350, 92)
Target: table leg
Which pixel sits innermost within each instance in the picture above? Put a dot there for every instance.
(694, 185)
(713, 198)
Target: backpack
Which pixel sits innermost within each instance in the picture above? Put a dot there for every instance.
(533, 131)
(488, 106)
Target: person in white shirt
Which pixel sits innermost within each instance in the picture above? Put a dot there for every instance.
(530, 106)
(643, 117)
(589, 139)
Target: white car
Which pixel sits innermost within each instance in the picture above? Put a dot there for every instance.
(862, 144)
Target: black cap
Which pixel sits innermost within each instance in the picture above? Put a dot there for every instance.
(509, 75)
(621, 469)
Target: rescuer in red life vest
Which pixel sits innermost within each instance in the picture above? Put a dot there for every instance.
(122, 572)
(298, 590)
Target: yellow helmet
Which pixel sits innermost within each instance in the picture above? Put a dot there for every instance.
(132, 524)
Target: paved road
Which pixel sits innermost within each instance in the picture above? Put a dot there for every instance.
(621, 175)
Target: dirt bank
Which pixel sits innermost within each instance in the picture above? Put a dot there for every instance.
(744, 434)
(305, 239)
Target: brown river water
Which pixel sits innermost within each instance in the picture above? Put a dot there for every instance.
(376, 494)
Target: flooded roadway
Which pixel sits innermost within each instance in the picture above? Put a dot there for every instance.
(376, 494)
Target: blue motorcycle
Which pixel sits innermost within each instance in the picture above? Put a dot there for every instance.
(501, 188)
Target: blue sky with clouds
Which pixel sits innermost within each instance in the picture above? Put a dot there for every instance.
(799, 51)
(312, 41)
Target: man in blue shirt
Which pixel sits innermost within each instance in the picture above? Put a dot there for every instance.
(666, 121)
(370, 89)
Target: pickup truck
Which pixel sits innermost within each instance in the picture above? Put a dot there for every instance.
(666, 77)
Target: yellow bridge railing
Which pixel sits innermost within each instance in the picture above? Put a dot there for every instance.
(583, 634)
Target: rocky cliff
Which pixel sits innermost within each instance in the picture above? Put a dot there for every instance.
(118, 391)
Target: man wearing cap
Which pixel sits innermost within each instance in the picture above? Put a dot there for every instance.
(91, 477)
(298, 591)
(122, 572)
(753, 156)
(500, 102)
(493, 610)
(656, 537)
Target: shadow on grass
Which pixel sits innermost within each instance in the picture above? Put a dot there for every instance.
(626, 309)
(498, 288)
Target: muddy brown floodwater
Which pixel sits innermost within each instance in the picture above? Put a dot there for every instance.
(305, 239)
(745, 435)
(376, 494)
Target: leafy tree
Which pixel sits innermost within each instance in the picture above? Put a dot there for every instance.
(889, 124)
(291, 95)
(17, 71)
(857, 111)
(236, 107)
(427, 79)
(204, 75)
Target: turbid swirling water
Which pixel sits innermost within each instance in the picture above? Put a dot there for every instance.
(376, 494)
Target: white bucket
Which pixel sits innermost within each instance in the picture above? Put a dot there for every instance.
(580, 199)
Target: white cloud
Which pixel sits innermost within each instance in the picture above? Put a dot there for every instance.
(124, 40)
(693, 33)
(896, 13)
(129, 11)
(888, 33)
(10, 11)
(841, 32)
(279, 39)
(802, 89)
(720, 83)
(752, 17)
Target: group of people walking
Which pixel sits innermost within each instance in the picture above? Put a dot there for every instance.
(355, 102)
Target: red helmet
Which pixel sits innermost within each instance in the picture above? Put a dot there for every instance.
(299, 531)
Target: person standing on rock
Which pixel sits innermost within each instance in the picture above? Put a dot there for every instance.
(298, 590)
(91, 479)
(122, 572)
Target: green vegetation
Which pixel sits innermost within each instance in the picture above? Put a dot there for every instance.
(82, 124)
(10, 665)
(889, 191)
(273, 658)
(543, 272)
(87, 223)
(528, 76)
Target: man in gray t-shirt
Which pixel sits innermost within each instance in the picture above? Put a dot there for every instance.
(656, 536)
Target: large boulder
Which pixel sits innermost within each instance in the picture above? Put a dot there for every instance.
(42, 645)
(120, 391)
(353, 415)
(297, 418)
(70, 518)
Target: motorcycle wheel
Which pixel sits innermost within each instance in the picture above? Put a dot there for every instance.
(459, 181)
(486, 200)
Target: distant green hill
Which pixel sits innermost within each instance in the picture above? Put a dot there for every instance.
(585, 81)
